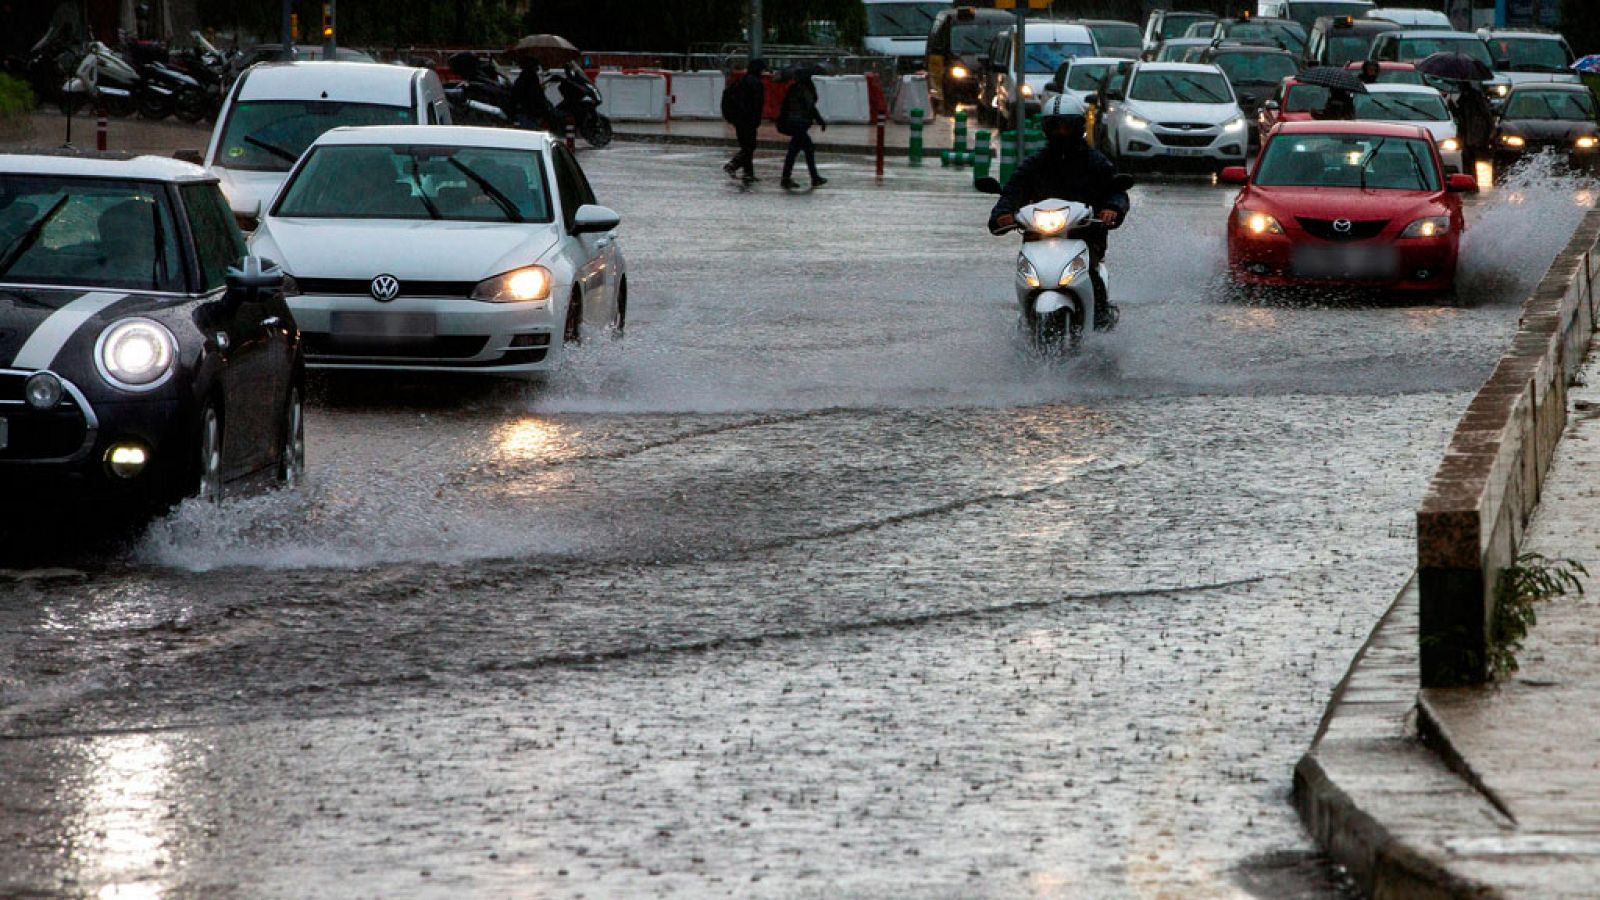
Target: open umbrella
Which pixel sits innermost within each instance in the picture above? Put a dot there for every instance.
(1454, 67)
(1589, 64)
(550, 50)
(1333, 78)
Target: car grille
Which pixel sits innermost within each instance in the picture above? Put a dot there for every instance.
(1186, 126)
(39, 435)
(1186, 140)
(363, 287)
(1359, 231)
(441, 347)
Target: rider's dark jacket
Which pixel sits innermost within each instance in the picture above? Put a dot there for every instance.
(1078, 173)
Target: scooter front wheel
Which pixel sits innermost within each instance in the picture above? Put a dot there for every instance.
(1055, 334)
(597, 131)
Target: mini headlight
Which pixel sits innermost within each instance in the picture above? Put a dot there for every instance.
(1512, 140)
(43, 390)
(1587, 143)
(959, 72)
(1259, 223)
(135, 354)
(1049, 221)
(517, 286)
(1433, 226)
(1026, 270)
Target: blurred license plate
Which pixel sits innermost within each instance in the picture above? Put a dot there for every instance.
(1186, 151)
(1353, 262)
(5, 433)
(384, 325)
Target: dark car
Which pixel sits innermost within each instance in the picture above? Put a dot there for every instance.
(1543, 117)
(958, 46)
(1255, 73)
(1115, 37)
(1283, 34)
(1341, 40)
(144, 356)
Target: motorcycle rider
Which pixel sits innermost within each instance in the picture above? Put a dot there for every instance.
(1068, 169)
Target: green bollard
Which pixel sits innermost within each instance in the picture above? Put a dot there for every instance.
(1034, 140)
(980, 157)
(915, 150)
(959, 145)
(1008, 155)
(945, 159)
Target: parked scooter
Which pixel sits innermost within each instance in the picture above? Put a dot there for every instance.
(1055, 292)
(482, 96)
(103, 77)
(580, 102)
(163, 90)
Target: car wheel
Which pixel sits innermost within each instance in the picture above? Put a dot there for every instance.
(572, 332)
(209, 463)
(292, 455)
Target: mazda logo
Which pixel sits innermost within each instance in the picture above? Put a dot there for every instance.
(1342, 226)
(387, 287)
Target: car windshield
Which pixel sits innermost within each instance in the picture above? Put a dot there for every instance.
(1402, 107)
(1307, 14)
(1255, 68)
(1530, 54)
(1347, 48)
(1415, 48)
(1117, 34)
(1305, 98)
(1574, 106)
(1044, 59)
(87, 232)
(902, 20)
(1181, 87)
(1348, 161)
(1400, 76)
(270, 135)
(1176, 25)
(1086, 76)
(379, 181)
(971, 38)
(1173, 51)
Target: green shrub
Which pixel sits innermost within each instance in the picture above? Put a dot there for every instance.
(16, 101)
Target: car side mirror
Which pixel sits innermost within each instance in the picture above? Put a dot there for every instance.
(252, 275)
(1234, 175)
(190, 156)
(1461, 183)
(591, 219)
(987, 186)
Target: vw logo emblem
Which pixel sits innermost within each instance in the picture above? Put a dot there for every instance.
(1342, 226)
(385, 288)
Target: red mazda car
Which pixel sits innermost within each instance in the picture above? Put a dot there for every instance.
(1358, 204)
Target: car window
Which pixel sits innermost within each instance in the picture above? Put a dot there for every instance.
(87, 232)
(1400, 76)
(1536, 104)
(1355, 161)
(1086, 76)
(1181, 87)
(1255, 68)
(217, 241)
(573, 186)
(1346, 48)
(1406, 107)
(383, 181)
(270, 135)
(1530, 54)
(1415, 48)
(1046, 58)
(1305, 98)
(1116, 34)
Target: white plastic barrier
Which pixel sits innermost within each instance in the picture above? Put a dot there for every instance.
(843, 98)
(913, 94)
(639, 98)
(698, 95)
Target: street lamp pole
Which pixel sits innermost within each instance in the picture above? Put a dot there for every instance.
(757, 30)
(287, 29)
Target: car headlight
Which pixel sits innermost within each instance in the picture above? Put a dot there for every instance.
(1074, 269)
(135, 354)
(1500, 90)
(1027, 90)
(1449, 145)
(1512, 140)
(1258, 223)
(1234, 125)
(1027, 271)
(959, 72)
(1587, 143)
(1433, 226)
(1134, 121)
(1049, 221)
(524, 285)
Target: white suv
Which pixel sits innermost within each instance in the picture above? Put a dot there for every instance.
(1171, 112)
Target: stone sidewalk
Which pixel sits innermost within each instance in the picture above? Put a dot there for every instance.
(1479, 792)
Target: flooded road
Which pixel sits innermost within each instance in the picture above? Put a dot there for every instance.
(815, 584)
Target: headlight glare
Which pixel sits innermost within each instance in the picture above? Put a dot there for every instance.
(1588, 143)
(1027, 90)
(136, 354)
(1512, 140)
(1450, 145)
(1433, 226)
(1136, 122)
(1234, 125)
(1049, 221)
(517, 286)
(959, 72)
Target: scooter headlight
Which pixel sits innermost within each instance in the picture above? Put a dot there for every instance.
(1049, 221)
(1027, 272)
(135, 354)
(1078, 266)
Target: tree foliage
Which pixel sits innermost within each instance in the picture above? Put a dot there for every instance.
(1580, 22)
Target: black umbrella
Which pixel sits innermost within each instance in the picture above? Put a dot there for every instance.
(1455, 67)
(1333, 78)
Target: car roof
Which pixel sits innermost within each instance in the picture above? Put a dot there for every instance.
(1392, 88)
(439, 136)
(1058, 30)
(103, 165)
(314, 80)
(1347, 126)
(1357, 24)
(1387, 65)
(1523, 33)
(1104, 22)
(1097, 60)
(1176, 67)
(1257, 49)
(1432, 35)
(1564, 86)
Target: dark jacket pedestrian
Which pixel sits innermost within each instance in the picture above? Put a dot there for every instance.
(743, 104)
(795, 117)
(1341, 106)
(1475, 124)
(527, 92)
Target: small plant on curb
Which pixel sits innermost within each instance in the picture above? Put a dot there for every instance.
(1531, 579)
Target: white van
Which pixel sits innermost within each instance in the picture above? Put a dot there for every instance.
(1307, 12)
(1050, 45)
(276, 110)
(900, 28)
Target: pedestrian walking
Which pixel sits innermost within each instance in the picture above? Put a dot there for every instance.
(795, 117)
(1475, 118)
(743, 103)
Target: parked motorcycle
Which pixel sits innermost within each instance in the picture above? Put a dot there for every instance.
(580, 102)
(208, 67)
(482, 96)
(1055, 291)
(104, 78)
(46, 65)
(163, 89)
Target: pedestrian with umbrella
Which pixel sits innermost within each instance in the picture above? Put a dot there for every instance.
(535, 53)
(1473, 111)
(1342, 85)
(1588, 68)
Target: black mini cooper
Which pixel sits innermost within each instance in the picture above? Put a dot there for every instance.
(144, 355)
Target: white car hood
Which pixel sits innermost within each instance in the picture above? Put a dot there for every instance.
(249, 192)
(1205, 113)
(422, 250)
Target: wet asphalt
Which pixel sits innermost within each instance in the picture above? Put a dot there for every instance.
(816, 584)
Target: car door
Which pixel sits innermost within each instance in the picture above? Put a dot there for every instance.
(588, 250)
(247, 332)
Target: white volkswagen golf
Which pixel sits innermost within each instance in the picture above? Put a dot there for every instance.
(443, 248)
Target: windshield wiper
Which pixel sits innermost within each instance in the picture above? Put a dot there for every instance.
(26, 240)
(1367, 163)
(500, 199)
(1202, 89)
(274, 149)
